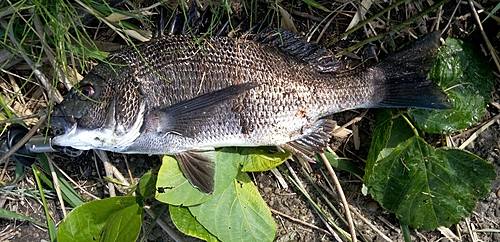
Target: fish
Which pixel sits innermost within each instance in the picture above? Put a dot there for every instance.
(185, 96)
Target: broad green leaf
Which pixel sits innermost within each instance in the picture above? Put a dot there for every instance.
(187, 224)
(124, 225)
(147, 184)
(173, 187)
(428, 187)
(113, 218)
(256, 160)
(468, 81)
(7, 214)
(237, 214)
(388, 133)
(342, 164)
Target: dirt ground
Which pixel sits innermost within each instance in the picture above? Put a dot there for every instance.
(288, 203)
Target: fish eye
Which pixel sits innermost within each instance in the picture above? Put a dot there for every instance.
(85, 92)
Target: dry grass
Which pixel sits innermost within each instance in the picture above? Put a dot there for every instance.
(45, 50)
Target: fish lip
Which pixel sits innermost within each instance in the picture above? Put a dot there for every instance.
(62, 124)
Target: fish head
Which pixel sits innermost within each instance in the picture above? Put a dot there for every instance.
(105, 111)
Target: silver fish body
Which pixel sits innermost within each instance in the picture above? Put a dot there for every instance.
(182, 96)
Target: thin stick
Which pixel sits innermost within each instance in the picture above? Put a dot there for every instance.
(41, 77)
(164, 226)
(75, 183)
(300, 221)
(485, 37)
(480, 130)
(393, 30)
(342, 196)
(128, 169)
(108, 167)
(25, 139)
(367, 222)
(57, 186)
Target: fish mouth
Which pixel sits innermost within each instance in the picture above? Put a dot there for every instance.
(61, 123)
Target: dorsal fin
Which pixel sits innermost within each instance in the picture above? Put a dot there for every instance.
(296, 45)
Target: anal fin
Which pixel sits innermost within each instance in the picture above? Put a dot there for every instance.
(199, 168)
(315, 140)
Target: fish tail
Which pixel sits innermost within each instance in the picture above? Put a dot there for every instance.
(405, 83)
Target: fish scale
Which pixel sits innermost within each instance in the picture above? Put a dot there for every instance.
(185, 96)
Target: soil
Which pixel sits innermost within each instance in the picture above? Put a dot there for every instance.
(22, 197)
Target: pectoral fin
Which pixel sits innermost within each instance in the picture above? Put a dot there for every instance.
(187, 117)
(199, 168)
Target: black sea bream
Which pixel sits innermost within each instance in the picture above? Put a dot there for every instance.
(183, 96)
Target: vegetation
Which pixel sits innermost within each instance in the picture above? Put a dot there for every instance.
(411, 170)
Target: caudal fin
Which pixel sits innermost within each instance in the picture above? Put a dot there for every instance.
(406, 83)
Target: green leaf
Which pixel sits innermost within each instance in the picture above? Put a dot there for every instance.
(315, 4)
(147, 184)
(257, 159)
(388, 133)
(237, 214)
(173, 187)
(110, 219)
(7, 214)
(124, 225)
(497, 7)
(428, 187)
(469, 82)
(187, 224)
(342, 164)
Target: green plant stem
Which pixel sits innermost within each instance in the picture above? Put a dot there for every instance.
(381, 36)
(50, 223)
(406, 231)
(415, 131)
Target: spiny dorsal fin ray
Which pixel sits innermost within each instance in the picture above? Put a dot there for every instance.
(291, 44)
(183, 116)
(199, 168)
(321, 59)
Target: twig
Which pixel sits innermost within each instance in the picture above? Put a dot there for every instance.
(57, 186)
(128, 169)
(451, 17)
(49, 53)
(367, 222)
(480, 130)
(299, 185)
(75, 183)
(19, 119)
(360, 24)
(119, 176)
(393, 30)
(300, 221)
(41, 77)
(342, 196)
(25, 139)
(279, 177)
(389, 224)
(354, 120)
(485, 37)
(164, 226)
(108, 167)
